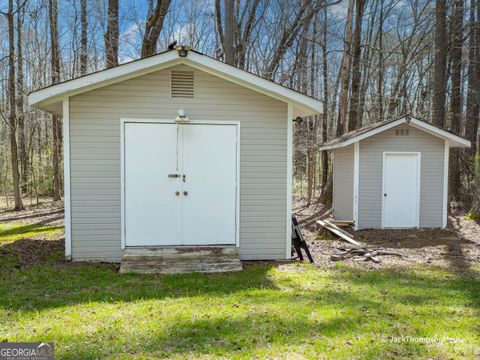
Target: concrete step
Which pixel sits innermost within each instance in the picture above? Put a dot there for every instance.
(180, 259)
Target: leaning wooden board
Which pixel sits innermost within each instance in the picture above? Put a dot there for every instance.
(341, 223)
(337, 231)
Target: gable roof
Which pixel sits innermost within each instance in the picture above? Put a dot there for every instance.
(373, 129)
(50, 98)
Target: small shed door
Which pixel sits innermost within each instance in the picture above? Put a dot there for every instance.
(180, 184)
(401, 190)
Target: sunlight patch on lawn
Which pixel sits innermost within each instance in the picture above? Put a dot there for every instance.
(15, 231)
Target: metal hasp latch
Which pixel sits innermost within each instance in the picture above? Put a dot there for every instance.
(177, 176)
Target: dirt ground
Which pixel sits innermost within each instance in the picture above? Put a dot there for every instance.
(47, 212)
(456, 248)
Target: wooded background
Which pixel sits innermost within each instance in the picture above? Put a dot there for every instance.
(368, 60)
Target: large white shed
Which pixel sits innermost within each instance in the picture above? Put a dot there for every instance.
(393, 174)
(177, 149)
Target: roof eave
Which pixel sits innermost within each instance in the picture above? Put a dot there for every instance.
(303, 105)
(453, 140)
(93, 81)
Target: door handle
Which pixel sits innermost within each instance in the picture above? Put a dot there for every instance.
(177, 193)
(185, 193)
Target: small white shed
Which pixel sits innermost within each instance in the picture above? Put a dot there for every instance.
(178, 149)
(393, 174)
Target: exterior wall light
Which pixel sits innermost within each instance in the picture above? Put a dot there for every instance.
(183, 50)
(182, 117)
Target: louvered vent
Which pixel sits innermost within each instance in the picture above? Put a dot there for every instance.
(402, 132)
(183, 84)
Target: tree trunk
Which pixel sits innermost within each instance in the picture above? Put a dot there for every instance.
(111, 36)
(20, 101)
(84, 39)
(367, 68)
(12, 117)
(440, 69)
(244, 38)
(228, 46)
(380, 114)
(345, 77)
(471, 115)
(312, 145)
(55, 64)
(325, 99)
(475, 210)
(311, 140)
(356, 75)
(456, 55)
(472, 123)
(153, 27)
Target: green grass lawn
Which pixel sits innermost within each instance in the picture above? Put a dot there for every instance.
(291, 311)
(10, 232)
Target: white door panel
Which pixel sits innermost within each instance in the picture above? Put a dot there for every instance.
(401, 188)
(209, 165)
(204, 212)
(152, 210)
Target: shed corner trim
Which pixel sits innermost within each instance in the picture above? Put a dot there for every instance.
(288, 243)
(356, 183)
(67, 177)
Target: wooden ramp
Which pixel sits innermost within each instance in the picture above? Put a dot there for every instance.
(180, 259)
(337, 231)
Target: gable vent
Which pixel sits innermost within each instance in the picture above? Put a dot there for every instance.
(402, 132)
(183, 84)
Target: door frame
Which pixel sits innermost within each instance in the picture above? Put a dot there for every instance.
(123, 121)
(419, 167)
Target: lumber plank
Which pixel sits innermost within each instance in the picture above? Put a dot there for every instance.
(337, 231)
(341, 223)
(361, 254)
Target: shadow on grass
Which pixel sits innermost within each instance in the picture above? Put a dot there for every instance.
(222, 336)
(27, 229)
(31, 268)
(256, 320)
(419, 288)
(36, 268)
(25, 253)
(223, 314)
(32, 216)
(459, 263)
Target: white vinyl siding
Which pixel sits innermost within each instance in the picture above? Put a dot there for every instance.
(95, 158)
(343, 183)
(371, 174)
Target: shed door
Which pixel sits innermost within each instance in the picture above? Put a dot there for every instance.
(401, 186)
(210, 168)
(152, 210)
(180, 184)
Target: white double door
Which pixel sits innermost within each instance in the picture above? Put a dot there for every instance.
(180, 184)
